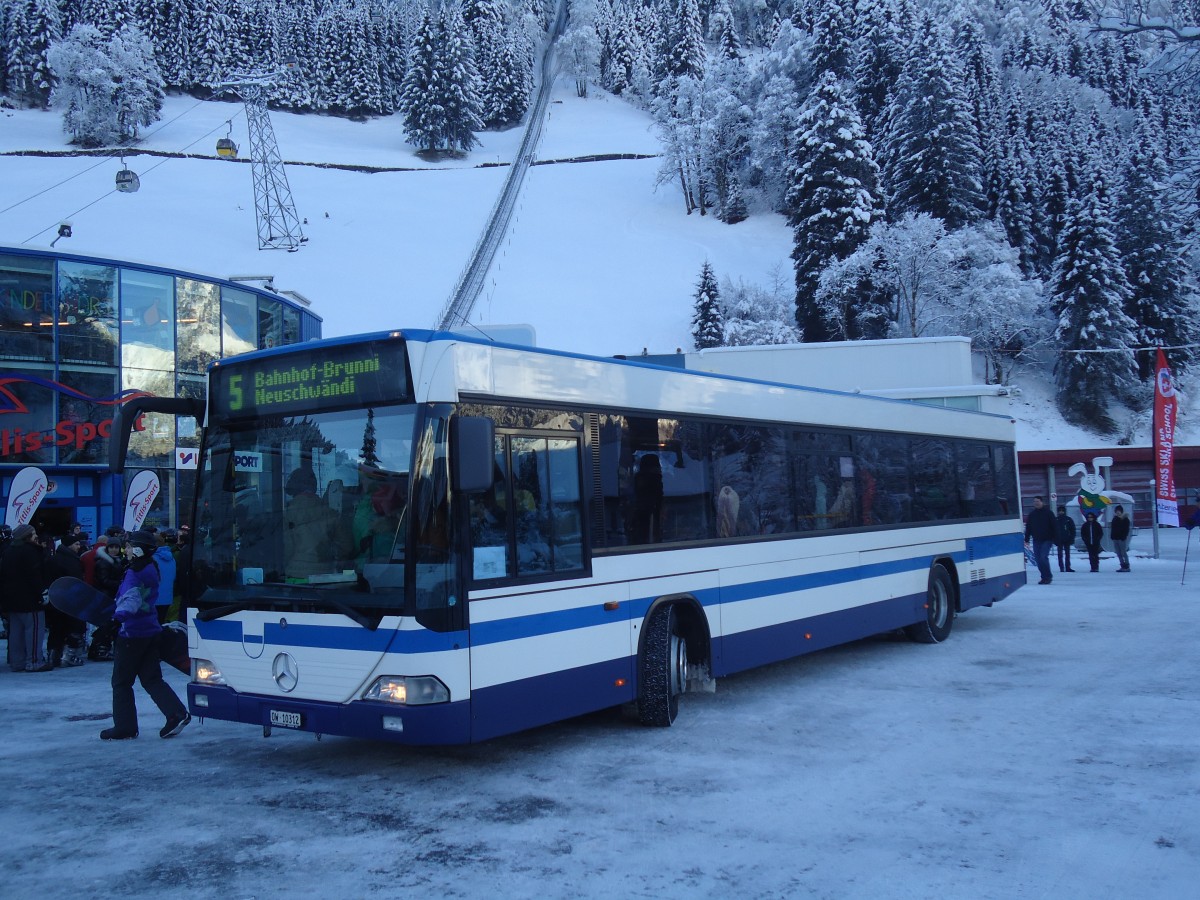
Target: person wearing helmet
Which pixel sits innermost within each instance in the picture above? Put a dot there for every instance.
(137, 646)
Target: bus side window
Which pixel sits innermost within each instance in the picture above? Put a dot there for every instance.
(489, 522)
(531, 522)
(546, 503)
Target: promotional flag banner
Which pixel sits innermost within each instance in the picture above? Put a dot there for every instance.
(143, 489)
(25, 496)
(1165, 409)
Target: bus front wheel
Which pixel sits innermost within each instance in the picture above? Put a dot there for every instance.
(662, 669)
(939, 609)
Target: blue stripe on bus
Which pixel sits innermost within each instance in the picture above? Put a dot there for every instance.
(331, 637)
(521, 627)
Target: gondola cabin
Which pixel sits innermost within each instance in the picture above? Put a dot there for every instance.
(226, 148)
(128, 181)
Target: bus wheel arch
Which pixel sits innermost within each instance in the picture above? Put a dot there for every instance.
(674, 640)
(941, 605)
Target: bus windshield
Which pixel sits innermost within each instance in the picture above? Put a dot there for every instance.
(286, 504)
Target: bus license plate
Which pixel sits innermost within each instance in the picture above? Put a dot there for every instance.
(286, 719)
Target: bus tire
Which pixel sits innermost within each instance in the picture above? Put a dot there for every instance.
(939, 609)
(662, 669)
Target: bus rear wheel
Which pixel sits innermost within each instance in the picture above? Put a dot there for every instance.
(939, 609)
(662, 669)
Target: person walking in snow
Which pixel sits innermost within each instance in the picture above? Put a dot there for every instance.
(1092, 533)
(1118, 533)
(137, 647)
(1041, 530)
(1065, 538)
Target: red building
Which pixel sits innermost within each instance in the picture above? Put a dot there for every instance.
(1044, 472)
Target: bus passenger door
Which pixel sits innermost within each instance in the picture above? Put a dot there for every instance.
(546, 644)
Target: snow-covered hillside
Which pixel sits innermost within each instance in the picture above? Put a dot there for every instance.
(599, 260)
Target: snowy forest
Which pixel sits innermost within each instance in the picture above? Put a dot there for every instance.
(1021, 171)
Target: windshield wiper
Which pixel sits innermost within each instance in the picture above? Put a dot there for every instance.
(371, 623)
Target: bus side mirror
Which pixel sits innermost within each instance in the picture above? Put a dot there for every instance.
(473, 453)
(130, 410)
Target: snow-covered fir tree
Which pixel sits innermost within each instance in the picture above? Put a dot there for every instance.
(832, 49)
(708, 324)
(832, 201)
(440, 98)
(1090, 292)
(879, 58)
(503, 51)
(686, 52)
(422, 120)
(210, 43)
(729, 43)
(1163, 302)
(458, 91)
(32, 28)
(929, 150)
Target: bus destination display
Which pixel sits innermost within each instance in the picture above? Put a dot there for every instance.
(308, 381)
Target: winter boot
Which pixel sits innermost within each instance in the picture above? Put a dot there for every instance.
(111, 734)
(175, 724)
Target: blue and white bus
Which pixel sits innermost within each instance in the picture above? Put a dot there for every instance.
(433, 539)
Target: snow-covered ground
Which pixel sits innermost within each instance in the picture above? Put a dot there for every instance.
(1048, 749)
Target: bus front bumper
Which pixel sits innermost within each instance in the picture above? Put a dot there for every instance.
(441, 723)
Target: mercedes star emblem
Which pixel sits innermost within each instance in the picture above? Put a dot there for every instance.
(285, 672)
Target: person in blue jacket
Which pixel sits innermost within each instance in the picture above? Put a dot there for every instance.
(165, 560)
(136, 646)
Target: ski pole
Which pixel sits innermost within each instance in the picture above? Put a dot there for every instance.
(1186, 548)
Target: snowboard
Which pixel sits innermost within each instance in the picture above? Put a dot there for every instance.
(173, 649)
(79, 599)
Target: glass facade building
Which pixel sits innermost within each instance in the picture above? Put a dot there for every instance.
(79, 336)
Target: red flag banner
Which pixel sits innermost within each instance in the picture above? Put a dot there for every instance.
(1165, 407)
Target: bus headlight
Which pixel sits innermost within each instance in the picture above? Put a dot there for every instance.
(204, 672)
(410, 690)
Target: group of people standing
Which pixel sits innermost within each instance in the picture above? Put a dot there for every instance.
(1044, 530)
(136, 570)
